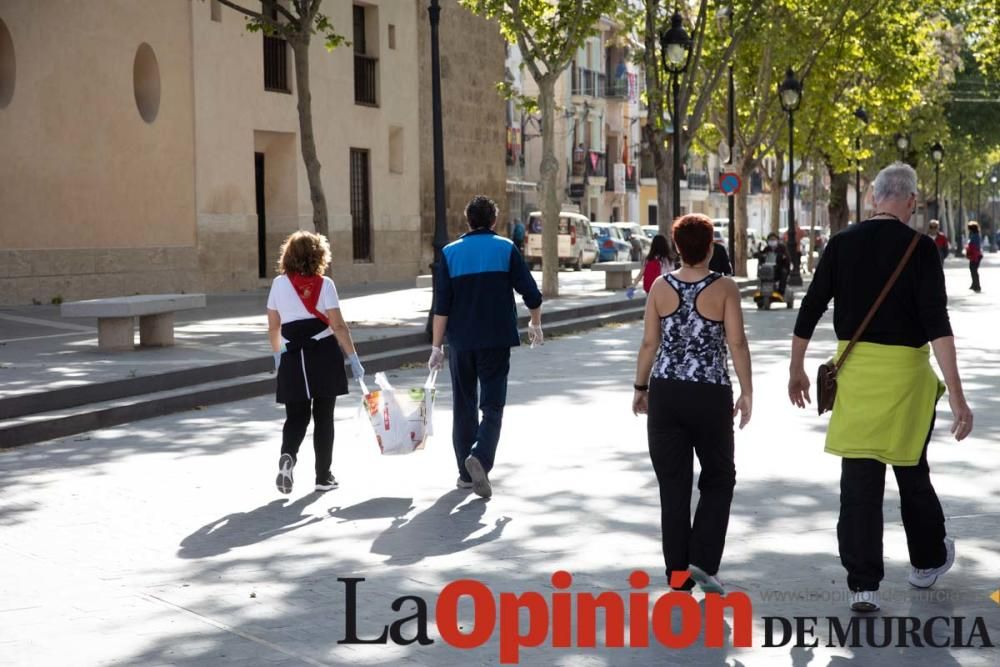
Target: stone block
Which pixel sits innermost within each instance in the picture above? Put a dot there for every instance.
(115, 333)
(156, 330)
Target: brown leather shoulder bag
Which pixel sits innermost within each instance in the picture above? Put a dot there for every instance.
(826, 377)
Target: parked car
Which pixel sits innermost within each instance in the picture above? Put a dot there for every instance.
(612, 247)
(650, 231)
(722, 227)
(630, 229)
(577, 247)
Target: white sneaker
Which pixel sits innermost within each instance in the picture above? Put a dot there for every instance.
(925, 578)
(480, 481)
(864, 601)
(284, 480)
(462, 484)
(708, 583)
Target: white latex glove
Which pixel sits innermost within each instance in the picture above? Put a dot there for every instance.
(535, 335)
(436, 362)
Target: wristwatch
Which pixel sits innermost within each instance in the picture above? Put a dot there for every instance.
(641, 387)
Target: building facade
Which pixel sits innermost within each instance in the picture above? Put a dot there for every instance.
(155, 147)
(597, 131)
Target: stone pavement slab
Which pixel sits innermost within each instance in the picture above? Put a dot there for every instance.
(164, 542)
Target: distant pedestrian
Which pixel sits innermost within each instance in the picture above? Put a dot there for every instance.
(974, 252)
(940, 240)
(657, 263)
(720, 260)
(886, 389)
(682, 383)
(474, 305)
(517, 236)
(310, 341)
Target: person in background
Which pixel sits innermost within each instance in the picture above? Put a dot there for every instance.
(940, 240)
(474, 305)
(657, 263)
(720, 260)
(517, 236)
(887, 391)
(782, 266)
(682, 383)
(974, 252)
(310, 340)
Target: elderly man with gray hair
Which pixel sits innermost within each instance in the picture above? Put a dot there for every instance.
(886, 389)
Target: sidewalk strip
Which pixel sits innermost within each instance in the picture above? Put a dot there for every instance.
(228, 628)
(53, 324)
(33, 338)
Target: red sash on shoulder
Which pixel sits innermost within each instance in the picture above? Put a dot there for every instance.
(308, 289)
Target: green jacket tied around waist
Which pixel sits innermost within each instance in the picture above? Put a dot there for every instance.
(886, 397)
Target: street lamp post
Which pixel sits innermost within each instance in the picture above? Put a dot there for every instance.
(790, 93)
(902, 144)
(937, 154)
(440, 223)
(726, 12)
(993, 201)
(861, 115)
(675, 45)
(979, 185)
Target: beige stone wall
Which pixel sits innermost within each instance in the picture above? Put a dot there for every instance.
(472, 62)
(84, 177)
(87, 186)
(236, 117)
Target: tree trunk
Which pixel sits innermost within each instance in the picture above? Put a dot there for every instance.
(549, 174)
(838, 209)
(300, 49)
(775, 182)
(741, 251)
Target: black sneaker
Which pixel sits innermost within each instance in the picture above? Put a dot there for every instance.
(328, 483)
(284, 481)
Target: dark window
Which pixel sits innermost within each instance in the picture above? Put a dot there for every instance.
(359, 30)
(365, 66)
(275, 64)
(361, 219)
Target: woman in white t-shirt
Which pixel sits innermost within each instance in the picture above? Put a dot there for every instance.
(310, 340)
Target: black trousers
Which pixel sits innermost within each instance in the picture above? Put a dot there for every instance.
(974, 270)
(296, 423)
(688, 418)
(478, 384)
(859, 530)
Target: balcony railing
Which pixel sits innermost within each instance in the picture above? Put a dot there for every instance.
(697, 180)
(275, 65)
(617, 89)
(365, 72)
(587, 82)
(630, 184)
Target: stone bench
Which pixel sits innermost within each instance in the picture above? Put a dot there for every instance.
(618, 275)
(116, 317)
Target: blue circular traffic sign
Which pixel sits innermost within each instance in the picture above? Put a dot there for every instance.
(730, 183)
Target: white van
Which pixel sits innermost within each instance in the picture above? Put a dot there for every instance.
(577, 247)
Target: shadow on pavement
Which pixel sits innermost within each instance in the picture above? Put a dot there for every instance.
(244, 528)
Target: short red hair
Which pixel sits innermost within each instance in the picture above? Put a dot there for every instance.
(693, 235)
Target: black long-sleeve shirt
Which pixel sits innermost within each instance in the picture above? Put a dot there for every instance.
(854, 268)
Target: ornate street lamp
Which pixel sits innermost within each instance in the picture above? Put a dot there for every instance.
(979, 185)
(675, 47)
(902, 144)
(861, 115)
(790, 93)
(937, 154)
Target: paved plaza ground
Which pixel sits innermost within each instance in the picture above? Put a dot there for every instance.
(164, 542)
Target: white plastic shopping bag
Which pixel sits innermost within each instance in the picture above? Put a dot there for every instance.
(401, 419)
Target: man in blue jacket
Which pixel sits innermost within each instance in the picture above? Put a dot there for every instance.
(474, 305)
